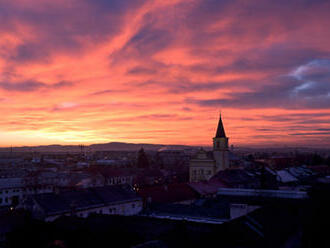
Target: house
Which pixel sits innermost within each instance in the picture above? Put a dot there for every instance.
(115, 199)
(112, 176)
(14, 189)
(148, 177)
(10, 189)
(236, 178)
(115, 176)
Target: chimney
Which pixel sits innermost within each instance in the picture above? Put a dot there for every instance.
(73, 207)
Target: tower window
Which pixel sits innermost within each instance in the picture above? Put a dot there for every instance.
(218, 144)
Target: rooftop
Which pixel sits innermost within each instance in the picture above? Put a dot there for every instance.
(65, 201)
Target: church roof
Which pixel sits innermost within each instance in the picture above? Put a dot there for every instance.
(220, 130)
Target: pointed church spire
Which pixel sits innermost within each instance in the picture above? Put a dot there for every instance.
(220, 130)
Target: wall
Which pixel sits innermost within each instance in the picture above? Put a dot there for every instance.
(200, 170)
(7, 194)
(237, 210)
(127, 208)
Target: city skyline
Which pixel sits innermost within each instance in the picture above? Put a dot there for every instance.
(97, 71)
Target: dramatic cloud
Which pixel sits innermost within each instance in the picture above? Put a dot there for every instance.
(308, 86)
(74, 71)
(32, 85)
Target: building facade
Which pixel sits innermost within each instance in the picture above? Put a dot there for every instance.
(14, 190)
(206, 164)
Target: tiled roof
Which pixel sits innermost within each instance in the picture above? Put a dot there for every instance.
(249, 178)
(206, 188)
(236, 176)
(168, 194)
(210, 208)
(286, 177)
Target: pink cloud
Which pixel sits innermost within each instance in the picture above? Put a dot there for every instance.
(165, 65)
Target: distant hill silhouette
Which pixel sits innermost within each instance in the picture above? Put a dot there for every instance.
(112, 146)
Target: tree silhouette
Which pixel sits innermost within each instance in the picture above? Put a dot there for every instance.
(142, 159)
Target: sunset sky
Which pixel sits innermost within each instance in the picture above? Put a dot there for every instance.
(97, 71)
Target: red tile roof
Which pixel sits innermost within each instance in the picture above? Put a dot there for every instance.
(207, 188)
(168, 194)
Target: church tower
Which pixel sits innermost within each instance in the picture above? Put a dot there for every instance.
(204, 166)
(221, 148)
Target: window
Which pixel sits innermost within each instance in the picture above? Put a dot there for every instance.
(133, 205)
(218, 144)
(112, 210)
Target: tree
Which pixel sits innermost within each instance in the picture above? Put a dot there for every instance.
(142, 159)
(316, 159)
